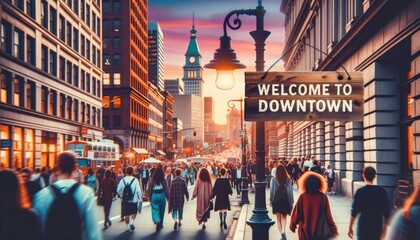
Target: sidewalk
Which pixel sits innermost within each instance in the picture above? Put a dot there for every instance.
(340, 208)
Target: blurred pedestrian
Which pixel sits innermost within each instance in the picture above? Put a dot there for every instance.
(17, 221)
(237, 174)
(100, 173)
(177, 194)
(158, 193)
(281, 198)
(330, 180)
(372, 203)
(312, 202)
(145, 175)
(106, 192)
(130, 192)
(221, 191)
(203, 191)
(405, 224)
(78, 175)
(90, 180)
(32, 186)
(67, 198)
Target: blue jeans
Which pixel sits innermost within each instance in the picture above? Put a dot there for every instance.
(158, 203)
(175, 213)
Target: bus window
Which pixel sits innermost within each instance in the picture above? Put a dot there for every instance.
(113, 149)
(90, 147)
(108, 149)
(95, 148)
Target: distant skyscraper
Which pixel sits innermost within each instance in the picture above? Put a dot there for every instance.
(174, 86)
(156, 56)
(126, 119)
(193, 71)
(50, 78)
(208, 113)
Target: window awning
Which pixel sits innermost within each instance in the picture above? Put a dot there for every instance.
(140, 150)
(160, 152)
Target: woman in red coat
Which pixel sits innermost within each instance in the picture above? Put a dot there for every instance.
(107, 191)
(308, 206)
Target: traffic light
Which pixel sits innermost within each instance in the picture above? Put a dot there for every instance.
(195, 133)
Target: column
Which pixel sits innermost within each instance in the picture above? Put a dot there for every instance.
(340, 152)
(330, 143)
(320, 141)
(313, 138)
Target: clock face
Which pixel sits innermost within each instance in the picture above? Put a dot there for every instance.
(192, 59)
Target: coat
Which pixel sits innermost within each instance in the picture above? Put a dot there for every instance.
(306, 212)
(203, 191)
(151, 184)
(108, 189)
(273, 188)
(177, 192)
(221, 191)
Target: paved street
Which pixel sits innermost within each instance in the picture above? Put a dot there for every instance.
(145, 229)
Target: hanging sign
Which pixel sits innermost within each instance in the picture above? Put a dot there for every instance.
(303, 96)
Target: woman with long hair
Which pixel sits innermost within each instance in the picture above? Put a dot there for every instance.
(158, 193)
(203, 191)
(406, 222)
(221, 191)
(308, 206)
(107, 192)
(281, 197)
(90, 179)
(17, 221)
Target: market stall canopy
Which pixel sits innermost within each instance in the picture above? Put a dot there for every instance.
(151, 160)
(161, 152)
(140, 151)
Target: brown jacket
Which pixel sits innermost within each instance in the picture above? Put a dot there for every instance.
(203, 191)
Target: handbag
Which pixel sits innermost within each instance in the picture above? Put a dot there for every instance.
(323, 230)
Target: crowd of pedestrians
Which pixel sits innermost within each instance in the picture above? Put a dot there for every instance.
(60, 203)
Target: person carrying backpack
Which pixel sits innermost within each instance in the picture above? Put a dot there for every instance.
(281, 197)
(131, 193)
(66, 209)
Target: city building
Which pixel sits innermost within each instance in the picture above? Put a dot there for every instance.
(209, 125)
(193, 71)
(156, 55)
(174, 86)
(168, 125)
(177, 136)
(51, 78)
(381, 40)
(125, 82)
(155, 139)
(233, 124)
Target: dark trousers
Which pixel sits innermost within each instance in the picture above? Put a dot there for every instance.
(238, 186)
(107, 208)
(144, 183)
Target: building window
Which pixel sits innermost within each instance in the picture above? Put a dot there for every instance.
(98, 27)
(88, 49)
(76, 39)
(76, 75)
(87, 14)
(82, 9)
(69, 108)
(30, 8)
(76, 110)
(44, 96)
(106, 60)
(94, 54)
(83, 80)
(116, 121)
(82, 47)
(30, 90)
(62, 29)
(98, 57)
(62, 106)
(93, 21)
(105, 6)
(44, 58)
(87, 112)
(94, 86)
(105, 101)
(98, 90)
(18, 42)
(106, 25)
(62, 68)
(105, 121)
(51, 108)
(53, 63)
(106, 79)
(5, 152)
(116, 102)
(116, 6)
(30, 50)
(105, 42)
(44, 13)
(116, 25)
(4, 94)
(17, 91)
(76, 6)
(82, 113)
(117, 79)
(53, 20)
(117, 59)
(6, 37)
(69, 31)
(88, 83)
(116, 43)
(69, 72)
(94, 118)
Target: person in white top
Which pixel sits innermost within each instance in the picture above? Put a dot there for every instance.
(83, 195)
(129, 203)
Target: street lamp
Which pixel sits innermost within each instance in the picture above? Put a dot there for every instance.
(244, 190)
(225, 59)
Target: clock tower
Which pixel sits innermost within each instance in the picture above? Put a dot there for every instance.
(193, 71)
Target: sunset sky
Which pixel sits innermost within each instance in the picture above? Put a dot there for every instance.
(175, 19)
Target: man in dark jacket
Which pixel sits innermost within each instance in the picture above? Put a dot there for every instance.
(177, 192)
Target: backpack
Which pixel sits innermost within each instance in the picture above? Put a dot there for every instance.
(127, 193)
(63, 219)
(280, 197)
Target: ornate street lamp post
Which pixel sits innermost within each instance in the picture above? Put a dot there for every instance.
(225, 62)
(244, 190)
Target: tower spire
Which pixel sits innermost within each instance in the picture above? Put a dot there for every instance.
(193, 25)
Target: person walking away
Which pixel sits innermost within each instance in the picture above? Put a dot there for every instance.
(168, 177)
(32, 186)
(100, 173)
(253, 173)
(157, 191)
(330, 180)
(178, 192)
(406, 221)
(36, 176)
(238, 180)
(61, 205)
(372, 203)
(107, 191)
(191, 174)
(45, 175)
(281, 198)
(78, 175)
(267, 175)
(145, 175)
(203, 191)
(17, 221)
(90, 180)
(316, 168)
(308, 208)
(130, 192)
(221, 191)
